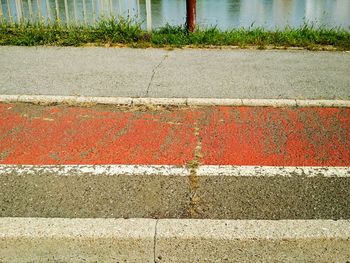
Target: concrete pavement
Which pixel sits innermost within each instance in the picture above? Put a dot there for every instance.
(164, 240)
(270, 143)
(123, 72)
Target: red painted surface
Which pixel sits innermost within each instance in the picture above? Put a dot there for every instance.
(277, 136)
(56, 135)
(227, 135)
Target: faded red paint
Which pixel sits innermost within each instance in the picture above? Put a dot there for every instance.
(87, 136)
(277, 136)
(227, 135)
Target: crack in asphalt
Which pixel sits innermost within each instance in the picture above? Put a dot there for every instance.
(154, 73)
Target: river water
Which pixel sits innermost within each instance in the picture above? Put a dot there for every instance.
(225, 14)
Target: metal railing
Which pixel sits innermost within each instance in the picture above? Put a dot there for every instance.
(71, 11)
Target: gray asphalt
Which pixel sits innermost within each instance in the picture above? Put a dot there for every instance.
(123, 72)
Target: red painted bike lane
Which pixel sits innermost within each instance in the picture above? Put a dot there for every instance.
(43, 135)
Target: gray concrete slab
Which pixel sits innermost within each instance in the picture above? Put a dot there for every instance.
(252, 241)
(46, 193)
(76, 240)
(123, 72)
(73, 71)
(85, 191)
(275, 197)
(253, 74)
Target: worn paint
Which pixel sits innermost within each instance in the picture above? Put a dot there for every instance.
(269, 136)
(276, 136)
(91, 136)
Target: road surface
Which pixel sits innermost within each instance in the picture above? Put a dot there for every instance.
(124, 72)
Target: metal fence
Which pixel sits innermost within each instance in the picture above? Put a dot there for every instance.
(71, 12)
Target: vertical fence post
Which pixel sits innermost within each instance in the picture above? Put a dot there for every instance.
(138, 10)
(1, 12)
(129, 8)
(93, 11)
(191, 15)
(110, 11)
(67, 12)
(105, 4)
(57, 10)
(48, 11)
(9, 13)
(120, 11)
(84, 12)
(75, 11)
(19, 10)
(38, 3)
(30, 9)
(149, 15)
(100, 8)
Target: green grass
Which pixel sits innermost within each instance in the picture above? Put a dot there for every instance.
(127, 32)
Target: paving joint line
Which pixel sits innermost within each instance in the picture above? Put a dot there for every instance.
(155, 241)
(154, 73)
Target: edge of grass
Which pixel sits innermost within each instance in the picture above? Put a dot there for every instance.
(127, 32)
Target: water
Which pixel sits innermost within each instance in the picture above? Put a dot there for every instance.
(269, 14)
(224, 14)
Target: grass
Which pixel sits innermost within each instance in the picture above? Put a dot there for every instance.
(127, 32)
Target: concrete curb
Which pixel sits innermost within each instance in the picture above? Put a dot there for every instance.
(76, 240)
(147, 191)
(173, 240)
(79, 100)
(252, 241)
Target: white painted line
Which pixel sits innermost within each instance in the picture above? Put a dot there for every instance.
(270, 171)
(173, 170)
(174, 101)
(94, 170)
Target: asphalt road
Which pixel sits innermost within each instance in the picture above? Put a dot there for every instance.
(123, 72)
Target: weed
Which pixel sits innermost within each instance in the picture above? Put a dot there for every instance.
(127, 32)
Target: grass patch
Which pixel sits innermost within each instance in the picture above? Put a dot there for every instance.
(127, 32)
